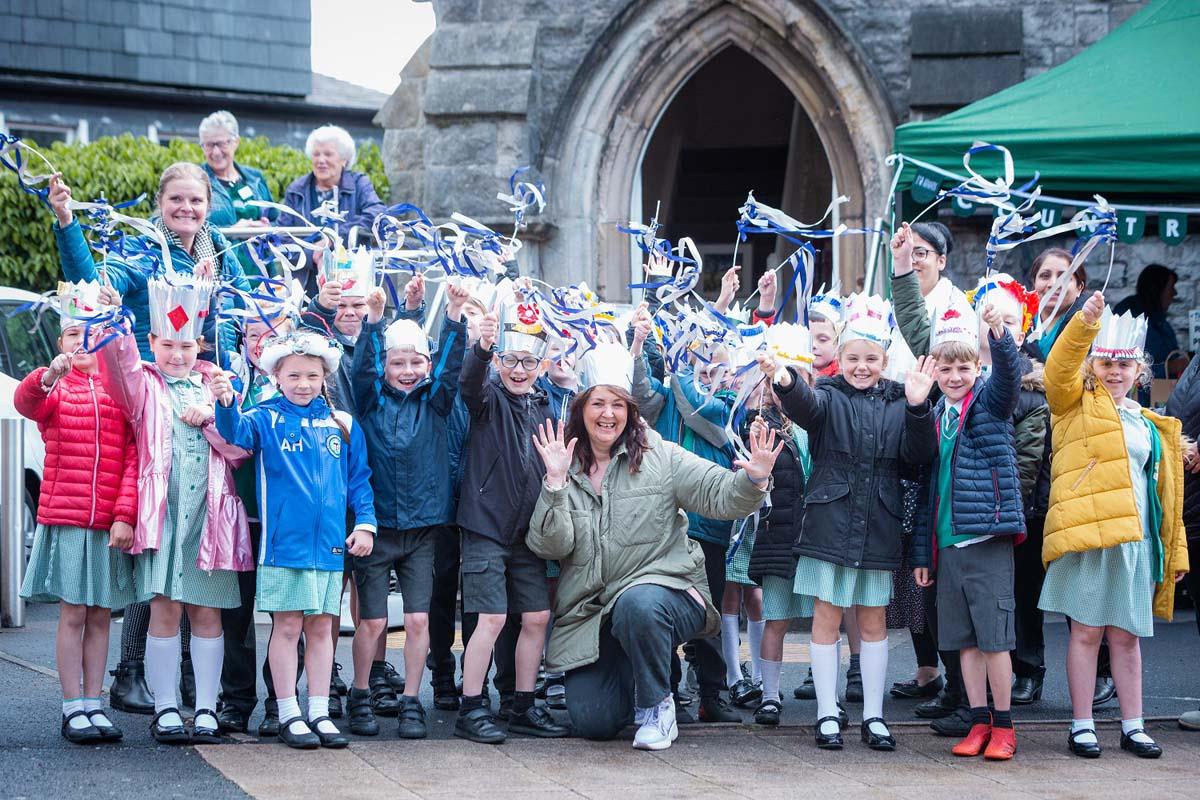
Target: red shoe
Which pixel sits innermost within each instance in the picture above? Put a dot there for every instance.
(977, 739)
(1003, 745)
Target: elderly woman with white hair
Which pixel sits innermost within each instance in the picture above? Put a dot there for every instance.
(234, 185)
(332, 151)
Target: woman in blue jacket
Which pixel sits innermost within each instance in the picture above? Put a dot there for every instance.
(312, 465)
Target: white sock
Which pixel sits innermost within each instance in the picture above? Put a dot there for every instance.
(91, 704)
(318, 706)
(825, 675)
(162, 675)
(70, 707)
(289, 709)
(754, 629)
(730, 645)
(208, 658)
(771, 670)
(1128, 725)
(873, 661)
(1088, 725)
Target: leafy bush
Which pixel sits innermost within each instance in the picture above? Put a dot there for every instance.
(121, 168)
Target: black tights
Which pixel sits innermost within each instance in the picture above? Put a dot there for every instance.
(137, 624)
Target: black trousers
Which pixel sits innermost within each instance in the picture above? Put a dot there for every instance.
(647, 624)
(1029, 659)
(446, 605)
(710, 662)
(954, 680)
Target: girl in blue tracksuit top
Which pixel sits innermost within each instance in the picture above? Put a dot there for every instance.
(311, 464)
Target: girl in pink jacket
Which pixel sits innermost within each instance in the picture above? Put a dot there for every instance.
(192, 536)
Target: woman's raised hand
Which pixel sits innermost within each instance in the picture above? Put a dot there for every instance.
(556, 454)
(60, 198)
(763, 452)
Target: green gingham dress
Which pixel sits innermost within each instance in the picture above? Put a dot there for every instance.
(313, 591)
(737, 556)
(1114, 586)
(842, 586)
(171, 570)
(76, 565)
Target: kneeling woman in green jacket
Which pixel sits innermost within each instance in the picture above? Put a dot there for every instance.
(633, 587)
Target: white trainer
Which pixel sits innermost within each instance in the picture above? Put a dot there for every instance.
(658, 729)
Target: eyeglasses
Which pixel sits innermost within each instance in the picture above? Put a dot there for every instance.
(922, 253)
(220, 144)
(528, 363)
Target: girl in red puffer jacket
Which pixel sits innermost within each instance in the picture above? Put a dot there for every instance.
(86, 513)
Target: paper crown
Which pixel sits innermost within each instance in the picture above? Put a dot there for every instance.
(790, 345)
(521, 329)
(355, 271)
(1122, 336)
(606, 364)
(955, 322)
(78, 302)
(867, 317)
(178, 310)
(827, 305)
(1005, 292)
(304, 342)
(404, 333)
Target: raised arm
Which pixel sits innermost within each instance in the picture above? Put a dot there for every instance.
(236, 428)
(801, 403)
(123, 375)
(710, 490)
(32, 399)
(447, 365)
(912, 316)
(366, 370)
(472, 382)
(1003, 389)
(1064, 381)
(706, 416)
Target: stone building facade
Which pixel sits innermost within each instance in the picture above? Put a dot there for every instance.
(581, 89)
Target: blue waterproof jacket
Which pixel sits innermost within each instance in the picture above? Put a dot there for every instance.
(407, 434)
(75, 256)
(986, 489)
(307, 475)
(560, 398)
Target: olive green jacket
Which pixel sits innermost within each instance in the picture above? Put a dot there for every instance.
(634, 532)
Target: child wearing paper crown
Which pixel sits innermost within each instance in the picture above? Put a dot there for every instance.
(312, 467)
(404, 400)
(83, 525)
(970, 515)
(500, 485)
(1114, 544)
(191, 538)
(864, 430)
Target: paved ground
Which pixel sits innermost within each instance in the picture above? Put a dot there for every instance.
(716, 761)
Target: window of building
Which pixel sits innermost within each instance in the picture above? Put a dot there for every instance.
(162, 135)
(44, 132)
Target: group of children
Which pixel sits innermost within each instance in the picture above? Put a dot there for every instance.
(359, 443)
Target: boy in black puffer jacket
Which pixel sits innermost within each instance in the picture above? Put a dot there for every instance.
(972, 516)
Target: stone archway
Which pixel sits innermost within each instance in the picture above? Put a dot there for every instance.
(595, 146)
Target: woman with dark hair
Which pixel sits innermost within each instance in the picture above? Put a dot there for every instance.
(633, 586)
(1056, 305)
(1155, 294)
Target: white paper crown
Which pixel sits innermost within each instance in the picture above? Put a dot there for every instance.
(178, 310)
(521, 329)
(355, 271)
(304, 342)
(955, 322)
(78, 302)
(827, 305)
(1121, 336)
(790, 345)
(867, 317)
(404, 333)
(606, 364)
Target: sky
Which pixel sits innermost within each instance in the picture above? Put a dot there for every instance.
(368, 42)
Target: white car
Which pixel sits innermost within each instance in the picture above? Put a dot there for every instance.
(28, 340)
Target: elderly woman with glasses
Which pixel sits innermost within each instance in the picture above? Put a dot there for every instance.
(332, 151)
(234, 185)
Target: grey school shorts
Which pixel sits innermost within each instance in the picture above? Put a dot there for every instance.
(410, 554)
(502, 579)
(975, 602)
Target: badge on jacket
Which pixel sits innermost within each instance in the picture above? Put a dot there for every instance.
(334, 445)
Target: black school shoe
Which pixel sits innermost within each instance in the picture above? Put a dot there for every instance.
(536, 721)
(169, 734)
(745, 693)
(232, 719)
(187, 683)
(911, 690)
(1083, 749)
(299, 741)
(383, 694)
(768, 713)
(109, 732)
(829, 741)
(89, 735)
(1149, 749)
(854, 687)
(334, 741)
(206, 734)
(478, 725)
(1105, 690)
(412, 718)
(335, 703)
(1026, 691)
(445, 693)
(362, 716)
(395, 679)
(336, 683)
(715, 709)
(806, 690)
(877, 741)
(956, 725)
(941, 705)
(129, 691)
(270, 721)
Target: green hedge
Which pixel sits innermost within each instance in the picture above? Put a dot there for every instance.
(121, 168)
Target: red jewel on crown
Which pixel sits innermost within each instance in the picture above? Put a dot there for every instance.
(951, 313)
(527, 314)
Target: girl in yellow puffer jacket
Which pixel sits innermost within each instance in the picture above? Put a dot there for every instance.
(1114, 543)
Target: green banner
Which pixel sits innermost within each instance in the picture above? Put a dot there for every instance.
(1051, 214)
(1131, 226)
(1172, 228)
(925, 186)
(962, 207)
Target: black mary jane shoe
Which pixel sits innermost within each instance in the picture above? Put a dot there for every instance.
(334, 741)
(206, 734)
(89, 735)
(829, 741)
(300, 741)
(745, 693)
(911, 690)
(876, 741)
(1083, 749)
(1149, 749)
(171, 734)
(109, 732)
(768, 713)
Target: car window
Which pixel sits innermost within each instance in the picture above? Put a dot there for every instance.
(27, 340)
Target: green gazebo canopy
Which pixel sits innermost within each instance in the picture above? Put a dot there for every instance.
(1121, 117)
